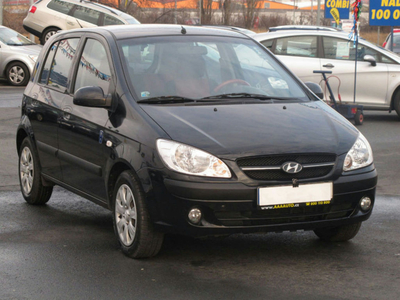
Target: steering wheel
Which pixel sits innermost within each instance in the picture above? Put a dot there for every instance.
(231, 81)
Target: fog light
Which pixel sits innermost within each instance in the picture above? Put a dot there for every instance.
(194, 215)
(365, 203)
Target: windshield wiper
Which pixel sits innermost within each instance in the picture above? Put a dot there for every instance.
(166, 100)
(246, 95)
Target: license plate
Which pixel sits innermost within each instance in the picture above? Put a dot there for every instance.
(289, 196)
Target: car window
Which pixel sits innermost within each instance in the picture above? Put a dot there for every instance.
(297, 46)
(13, 38)
(335, 48)
(62, 63)
(60, 6)
(110, 20)
(86, 14)
(94, 68)
(47, 65)
(268, 43)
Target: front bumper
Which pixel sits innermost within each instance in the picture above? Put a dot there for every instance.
(231, 207)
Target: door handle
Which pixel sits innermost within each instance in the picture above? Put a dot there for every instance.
(330, 66)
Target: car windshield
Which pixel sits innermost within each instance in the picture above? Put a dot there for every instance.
(13, 38)
(198, 67)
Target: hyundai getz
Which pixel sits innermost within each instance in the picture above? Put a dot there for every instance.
(189, 130)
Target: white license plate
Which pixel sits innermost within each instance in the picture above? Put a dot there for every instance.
(304, 193)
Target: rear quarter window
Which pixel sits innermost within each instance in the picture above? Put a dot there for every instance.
(60, 6)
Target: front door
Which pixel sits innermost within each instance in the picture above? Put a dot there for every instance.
(82, 150)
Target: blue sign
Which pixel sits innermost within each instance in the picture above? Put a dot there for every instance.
(342, 6)
(384, 13)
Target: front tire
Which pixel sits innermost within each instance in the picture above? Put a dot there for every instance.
(32, 189)
(17, 74)
(338, 234)
(132, 224)
(396, 103)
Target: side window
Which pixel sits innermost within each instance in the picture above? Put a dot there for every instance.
(60, 6)
(388, 60)
(268, 43)
(297, 46)
(93, 69)
(335, 48)
(47, 65)
(86, 14)
(62, 63)
(109, 20)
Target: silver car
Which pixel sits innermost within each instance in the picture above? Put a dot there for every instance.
(378, 70)
(17, 56)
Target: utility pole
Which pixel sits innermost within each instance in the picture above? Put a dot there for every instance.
(176, 5)
(200, 7)
(319, 12)
(1, 12)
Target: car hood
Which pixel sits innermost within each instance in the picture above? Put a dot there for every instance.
(233, 131)
(30, 50)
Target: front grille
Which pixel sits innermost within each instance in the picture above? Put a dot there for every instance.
(276, 161)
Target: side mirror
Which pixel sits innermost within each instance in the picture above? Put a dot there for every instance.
(370, 59)
(92, 96)
(315, 88)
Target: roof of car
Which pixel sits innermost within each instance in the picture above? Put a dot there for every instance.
(144, 30)
(302, 27)
(282, 33)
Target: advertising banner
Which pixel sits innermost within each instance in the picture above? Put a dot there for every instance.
(337, 9)
(384, 12)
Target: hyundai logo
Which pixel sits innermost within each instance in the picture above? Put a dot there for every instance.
(292, 167)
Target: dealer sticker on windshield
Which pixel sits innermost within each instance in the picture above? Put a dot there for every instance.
(288, 196)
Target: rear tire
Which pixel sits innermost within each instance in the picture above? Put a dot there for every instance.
(338, 234)
(29, 171)
(132, 225)
(48, 33)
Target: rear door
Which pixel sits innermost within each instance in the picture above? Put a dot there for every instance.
(45, 103)
(300, 54)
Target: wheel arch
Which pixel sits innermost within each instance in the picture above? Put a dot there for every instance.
(16, 61)
(113, 175)
(47, 28)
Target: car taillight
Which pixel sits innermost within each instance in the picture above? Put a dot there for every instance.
(33, 9)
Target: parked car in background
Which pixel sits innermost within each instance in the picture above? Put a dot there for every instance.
(396, 41)
(378, 70)
(46, 17)
(17, 56)
(189, 130)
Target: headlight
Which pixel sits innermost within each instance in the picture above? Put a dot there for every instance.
(33, 57)
(359, 156)
(188, 160)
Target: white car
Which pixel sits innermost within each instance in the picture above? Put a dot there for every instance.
(46, 17)
(378, 70)
(17, 56)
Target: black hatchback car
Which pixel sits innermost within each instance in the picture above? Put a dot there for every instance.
(189, 130)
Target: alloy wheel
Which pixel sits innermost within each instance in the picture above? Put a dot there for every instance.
(125, 215)
(26, 170)
(16, 74)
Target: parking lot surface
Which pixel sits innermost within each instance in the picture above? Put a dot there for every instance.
(67, 249)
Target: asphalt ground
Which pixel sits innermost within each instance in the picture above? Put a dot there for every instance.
(67, 249)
